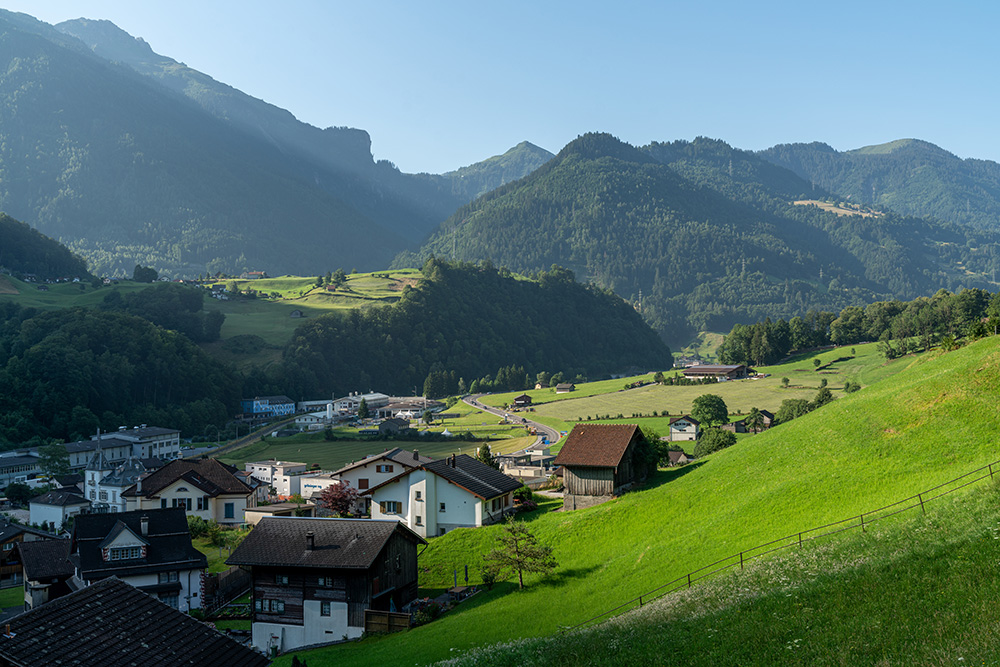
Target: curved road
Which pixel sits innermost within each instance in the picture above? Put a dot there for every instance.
(542, 430)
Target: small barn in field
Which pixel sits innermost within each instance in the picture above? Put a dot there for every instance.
(599, 462)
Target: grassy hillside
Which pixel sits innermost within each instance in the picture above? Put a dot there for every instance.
(931, 422)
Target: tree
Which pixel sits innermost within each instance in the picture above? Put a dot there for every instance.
(816, 363)
(754, 420)
(19, 493)
(790, 409)
(484, 455)
(518, 552)
(53, 460)
(144, 274)
(339, 498)
(850, 387)
(823, 383)
(712, 440)
(658, 378)
(428, 416)
(710, 409)
(363, 409)
(784, 383)
(823, 396)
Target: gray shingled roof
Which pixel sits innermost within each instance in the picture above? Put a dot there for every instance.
(46, 559)
(60, 498)
(474, 476)
(339, 543)
(396, 455)
(112, 623)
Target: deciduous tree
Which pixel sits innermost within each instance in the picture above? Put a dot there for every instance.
(710, 409)
(518, 551)
(339, 498)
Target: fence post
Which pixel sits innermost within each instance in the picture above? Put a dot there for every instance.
(741, 560)
(689, 580)
(640, 600)
(921, 499)
(863, 523)
(991, 471)
(800, 539)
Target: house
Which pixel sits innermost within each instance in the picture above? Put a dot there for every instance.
(598, 463)
(11, 535)
(266, 407)
(205, 488)
(282, 476)
(677, 458)
(740, 425)
(393, 426)
(296, 314)
(541, 385)
(522, 401)
(565, 387)
(377, 468)
(149, 549)
(253, 275)
(718, 372)
(435, 497)
(111, 623)
(47, 570)
(407, 408)
(313, 579)
(54, 508)
(105, 484)
(683, 428)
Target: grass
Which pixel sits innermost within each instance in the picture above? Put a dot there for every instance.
(931, 422)
(216, 556)
(62, 295)
(918, 591)
(12, 597)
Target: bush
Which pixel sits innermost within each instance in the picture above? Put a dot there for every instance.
(712, 440)
(523, 493)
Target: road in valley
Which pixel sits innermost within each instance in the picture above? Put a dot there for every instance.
(543, 431)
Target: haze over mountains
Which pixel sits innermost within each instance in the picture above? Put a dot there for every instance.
(131, 157)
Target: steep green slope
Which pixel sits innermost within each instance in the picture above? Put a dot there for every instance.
(909, 176)
(478, 179)
(930, 423)
(707, 234)
(24, 250)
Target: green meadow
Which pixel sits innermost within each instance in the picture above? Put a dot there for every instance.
(933, 420)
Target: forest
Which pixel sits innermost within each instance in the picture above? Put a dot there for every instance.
(899, 327)
(24, 250)
(460, 323)
(700, 236)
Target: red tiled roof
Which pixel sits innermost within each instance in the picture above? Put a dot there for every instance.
(596, 445)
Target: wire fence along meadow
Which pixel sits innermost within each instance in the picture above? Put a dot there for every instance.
(741, 559)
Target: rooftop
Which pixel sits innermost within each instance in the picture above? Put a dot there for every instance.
(596, 445)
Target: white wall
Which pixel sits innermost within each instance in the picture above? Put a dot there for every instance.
(316, 629)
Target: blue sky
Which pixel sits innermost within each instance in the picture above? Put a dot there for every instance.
(442, 84)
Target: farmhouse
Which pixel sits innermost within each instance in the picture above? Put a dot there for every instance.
(522, 401)
(313, 579)
(11, 536)
(599, 462)
(565, 387)
(435, 497)
(740, 426)
(683, 428)
(717, 372)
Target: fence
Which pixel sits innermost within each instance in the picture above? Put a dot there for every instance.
(740, 559)
(219, 589)
(385, 621)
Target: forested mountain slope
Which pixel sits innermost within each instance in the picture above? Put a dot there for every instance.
(24, 250)
(707, 233)
(909, 176)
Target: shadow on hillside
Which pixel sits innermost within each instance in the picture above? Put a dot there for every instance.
(563, 576)
(669, 475)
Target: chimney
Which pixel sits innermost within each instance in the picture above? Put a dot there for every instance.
(416, 455)
(144, 526)
(310, 541)
(452, 460)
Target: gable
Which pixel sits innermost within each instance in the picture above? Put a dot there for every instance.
(124, 538)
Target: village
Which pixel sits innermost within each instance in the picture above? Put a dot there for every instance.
(313, 556)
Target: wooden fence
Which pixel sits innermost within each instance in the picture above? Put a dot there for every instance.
(386, 621)
(219, 589)
(740, 559)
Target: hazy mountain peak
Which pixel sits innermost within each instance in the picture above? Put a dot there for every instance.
(109, 41)
(902, 145)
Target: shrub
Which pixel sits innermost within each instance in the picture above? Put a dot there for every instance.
(712, 440)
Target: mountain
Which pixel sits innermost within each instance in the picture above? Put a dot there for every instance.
(700, 235)
(128, 157)
(491, 173)
(909, 176)
(24, 250)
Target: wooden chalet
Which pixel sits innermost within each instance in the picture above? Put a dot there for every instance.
(598, 463)
(716, 371)
(313, 579)
(522, 401)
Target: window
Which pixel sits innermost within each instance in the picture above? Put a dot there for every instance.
(167, 577)
(383, 468)
(324, 608)
(325, 582)
(363, 483)
(163, 503)
(442, 508)
(281, 579)
(420, 520)
(269, 606)
(93, 494)
(230, 510)
(124, 553)
(390, 507)
(183, 503)
(202, 503)
(170, 599)
(8, 546)
(418, 495)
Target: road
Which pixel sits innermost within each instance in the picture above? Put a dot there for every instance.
(542, 430)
